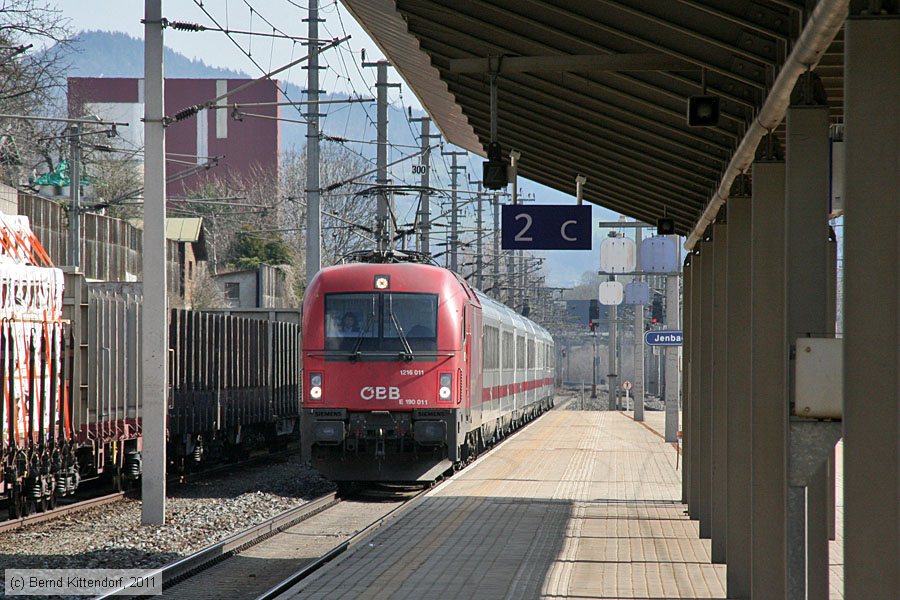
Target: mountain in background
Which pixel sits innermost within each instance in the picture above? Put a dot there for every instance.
(116, 54)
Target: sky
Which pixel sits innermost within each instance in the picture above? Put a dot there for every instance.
(344, 75)
(216, 49)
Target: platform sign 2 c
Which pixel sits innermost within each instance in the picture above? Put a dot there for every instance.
(664, 338)
(546, 227)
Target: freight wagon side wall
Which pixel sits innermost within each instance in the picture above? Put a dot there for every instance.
(106, 362)
(233, 370)
(284, 357)
(225, 371)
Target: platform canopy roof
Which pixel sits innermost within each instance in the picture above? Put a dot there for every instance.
(600, 87)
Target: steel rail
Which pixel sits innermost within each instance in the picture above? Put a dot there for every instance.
(35, 518)
(311, 567)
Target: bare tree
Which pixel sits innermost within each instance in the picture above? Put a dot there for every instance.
(231, 206)
(587, 288)
(30, 84)
(204, 293)
(116, 184)
(346, 214)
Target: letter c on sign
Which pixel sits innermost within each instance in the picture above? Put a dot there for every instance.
(367, 393)
(562, 231)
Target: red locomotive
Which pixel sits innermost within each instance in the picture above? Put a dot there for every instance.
(410, 372)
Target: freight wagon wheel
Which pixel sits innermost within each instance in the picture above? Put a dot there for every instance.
(51, 501)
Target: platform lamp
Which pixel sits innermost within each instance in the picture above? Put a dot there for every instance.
(665, 226)
(703, 111)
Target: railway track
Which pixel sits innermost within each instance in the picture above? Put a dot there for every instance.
(267, 556)
(174, 480)
(12, 524)
(297, 576)
(231, 564)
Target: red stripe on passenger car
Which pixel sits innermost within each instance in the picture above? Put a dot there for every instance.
(502, 391)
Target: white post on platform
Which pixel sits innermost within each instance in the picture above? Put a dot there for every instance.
(612, 370)
(638, 395)
(154, 324)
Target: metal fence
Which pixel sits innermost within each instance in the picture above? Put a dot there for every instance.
(110, 248)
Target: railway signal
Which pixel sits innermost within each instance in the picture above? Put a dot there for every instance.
(593, 314)
(493, 172)
(656, 311)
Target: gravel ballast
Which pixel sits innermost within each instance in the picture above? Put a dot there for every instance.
(199, 513)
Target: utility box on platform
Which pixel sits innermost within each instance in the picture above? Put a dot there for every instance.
(819, 378)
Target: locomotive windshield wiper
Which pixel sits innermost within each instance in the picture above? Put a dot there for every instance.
(408, 356)
(356, 354)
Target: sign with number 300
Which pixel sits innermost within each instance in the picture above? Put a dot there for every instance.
(546, 227)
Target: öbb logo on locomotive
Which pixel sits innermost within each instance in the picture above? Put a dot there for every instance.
(379, 392)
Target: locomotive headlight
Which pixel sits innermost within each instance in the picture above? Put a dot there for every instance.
(445, 390)
(315, 386)
(382, 282)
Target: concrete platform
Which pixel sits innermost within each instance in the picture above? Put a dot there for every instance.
(578, 505)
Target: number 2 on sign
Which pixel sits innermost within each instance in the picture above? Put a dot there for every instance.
(521, 237)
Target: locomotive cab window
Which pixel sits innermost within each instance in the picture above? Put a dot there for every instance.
(349, 317)
(416, 316)
(381, 326)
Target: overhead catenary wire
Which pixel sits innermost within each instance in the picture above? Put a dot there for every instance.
(200, 5)
(197, 27)
(350, 180)
(193, 110)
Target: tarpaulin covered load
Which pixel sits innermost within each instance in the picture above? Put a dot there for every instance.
(35, 426)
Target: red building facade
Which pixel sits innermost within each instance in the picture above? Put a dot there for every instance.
(245, 147)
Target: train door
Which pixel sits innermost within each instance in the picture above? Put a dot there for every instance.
(466, 382)
(475, 351)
